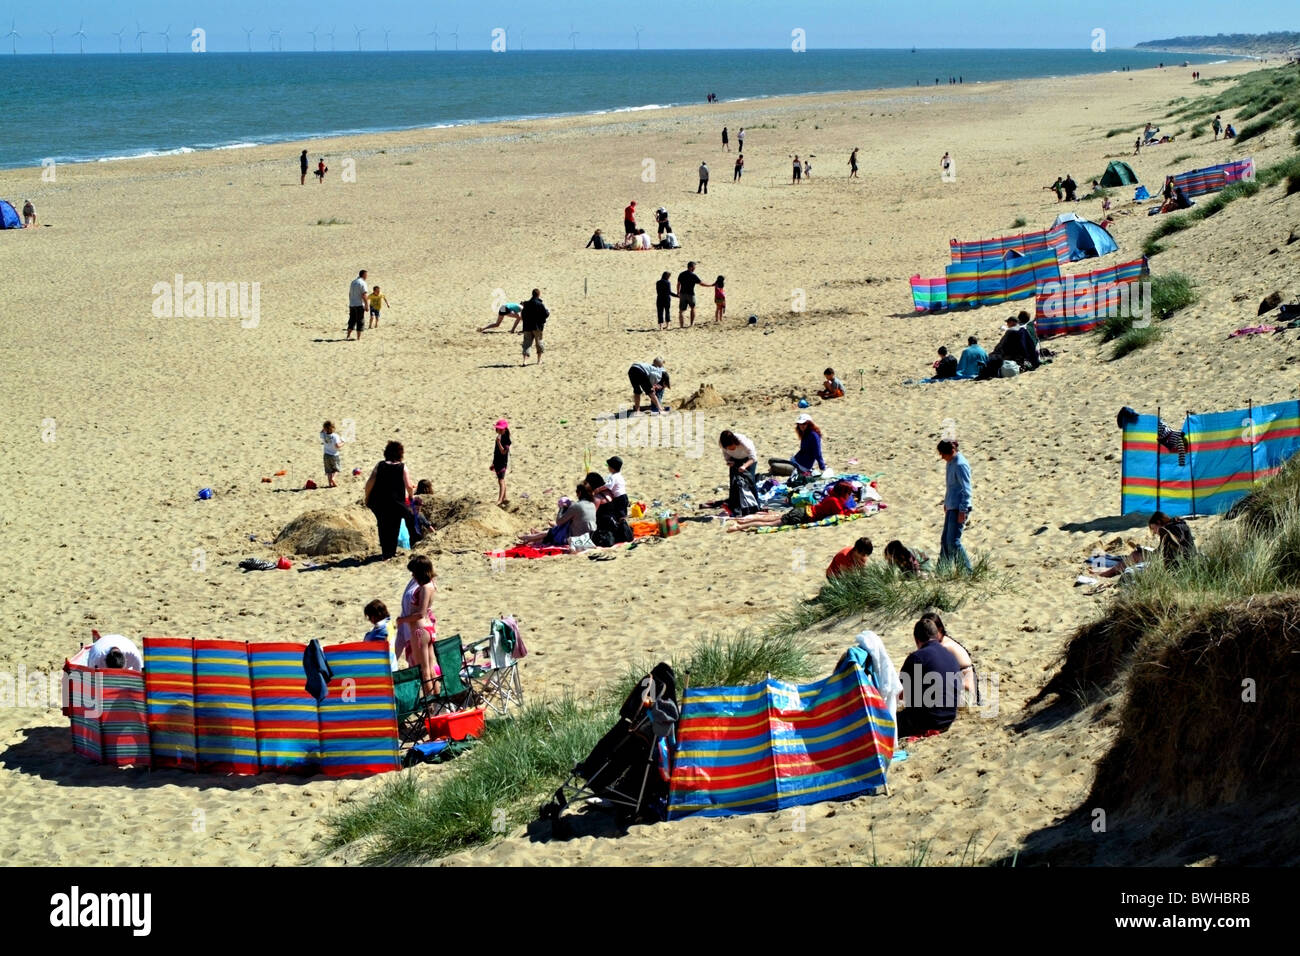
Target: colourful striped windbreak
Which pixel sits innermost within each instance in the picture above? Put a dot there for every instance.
(108, 715)
(991, 281)
(775, 745)
(1054, 238)
(1228, 453)
(358, 722)
(285, 715)
(226, 736)
(929, 295)
(1198, 182)
(169, 694)
(1080, 303)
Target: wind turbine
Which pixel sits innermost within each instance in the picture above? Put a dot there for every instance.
(51, 33)
(434, 33)
(573, 36)
(456, 36)
(167, 39)
(248, 37)
(359, 30)
(273, 38)
(139, 38)
(118, 34)
(638, 30)
(331, 36)
(81, 37)
(313, 39)
(13, 36)
(386, 32)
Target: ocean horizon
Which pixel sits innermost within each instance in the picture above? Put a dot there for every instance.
(107, 106)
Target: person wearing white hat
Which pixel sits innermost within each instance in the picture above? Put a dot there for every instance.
(661, 217)
(810, 445)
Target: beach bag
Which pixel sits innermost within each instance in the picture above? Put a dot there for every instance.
(1009, 369)
(623, 532)
(743, 499)
(404, 537)
(602, 538)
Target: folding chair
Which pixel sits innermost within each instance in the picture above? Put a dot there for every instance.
(493, 668)
(413, 710)
(452, 691)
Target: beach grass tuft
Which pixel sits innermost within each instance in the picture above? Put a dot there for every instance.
(1019, 222)
(1135, 338)
(1169, 293)
(332, 222)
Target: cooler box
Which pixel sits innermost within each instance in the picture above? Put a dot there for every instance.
(457, 725)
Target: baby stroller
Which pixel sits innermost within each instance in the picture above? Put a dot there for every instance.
(628, 769)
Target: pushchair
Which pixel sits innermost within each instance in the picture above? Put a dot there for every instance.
(628, 769)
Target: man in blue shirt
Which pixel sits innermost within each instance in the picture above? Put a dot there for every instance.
(931, 678)
(956, 504)
(973, 359)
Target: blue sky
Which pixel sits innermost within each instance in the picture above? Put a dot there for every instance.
(609, 24)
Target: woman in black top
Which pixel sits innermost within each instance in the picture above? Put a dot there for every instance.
(664, 296)
(387, 489)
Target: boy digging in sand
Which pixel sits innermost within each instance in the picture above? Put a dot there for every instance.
(832, 387)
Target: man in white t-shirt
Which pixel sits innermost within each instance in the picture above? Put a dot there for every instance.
(114, 651)
(357, 293)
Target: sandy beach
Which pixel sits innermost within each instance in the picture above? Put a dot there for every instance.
(115, 416)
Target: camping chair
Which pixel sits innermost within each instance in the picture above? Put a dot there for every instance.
(413, 710)
(627, 769)
(493, 670)
(454, 691)
(451, 692)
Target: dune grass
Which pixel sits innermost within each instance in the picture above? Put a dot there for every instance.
(1169, 293)
(1019, 222)
(1135, 338)
(332, 222)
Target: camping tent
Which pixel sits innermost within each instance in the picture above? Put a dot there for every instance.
(1119, 174)
(1086, 239)
(9, 218)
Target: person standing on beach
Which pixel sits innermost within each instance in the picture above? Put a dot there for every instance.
(358, 298)
(798, 172)
(807, 168)
(726, 143)
(1217, 125)
(535, 315)
(740, 167)
(664, 296)
(661, 217)
(946, 163)
(853, 163)
(740, 140)
(956, 503)
(686, 283)
(704, 179)
(29, 214)
(302, 167)
(629, 218)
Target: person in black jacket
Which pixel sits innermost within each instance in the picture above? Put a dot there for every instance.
(535, 316)
(664, 296)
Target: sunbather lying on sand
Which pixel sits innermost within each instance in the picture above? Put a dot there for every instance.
(838, 502)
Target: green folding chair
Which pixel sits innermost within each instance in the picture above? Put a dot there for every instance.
(413, 710)
(454, 690)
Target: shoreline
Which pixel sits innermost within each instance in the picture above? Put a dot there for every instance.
(277, 140)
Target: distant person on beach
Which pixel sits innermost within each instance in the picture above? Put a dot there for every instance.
(321, 170)
(704, 179)
(946, 366)
(629, 218)
(302, 166)
(839, 501)
(114, 652)
(719, 298)
(809, 455)
(501, 458)
(832, 387)
(946, 163)
(956, 503)
(387, 488)
(1230, 132)
(597, 241)
(377, 301)
(726, 144)
(1137, 146)
(358, 293)
(382, 628)
(740, 140)
(797, 173)
(807, 169)
(853, 163)
(664, 296)
(417, 628)
(973, 359)
(854, 556)
(29, 214)
(686, 283)
(661, 217)
(1056, 188)
(739, 452)
(332, 443)
(1176, 545)
(1217, 125)
(506, 308)
(932, 680)
(534, 314)
(970, 693)
(1070, 186)
(649, 380)
(740, 168)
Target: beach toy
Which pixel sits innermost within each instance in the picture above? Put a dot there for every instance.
(356, 472)
(281, 473)
(205, 494)
(309, 486)
(266, 481)
(803, 403)
(564, 421)
(753, 320)
(284, 564)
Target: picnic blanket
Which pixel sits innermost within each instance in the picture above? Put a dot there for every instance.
(527, 551)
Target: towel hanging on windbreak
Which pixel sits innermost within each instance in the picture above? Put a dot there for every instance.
(318, 671)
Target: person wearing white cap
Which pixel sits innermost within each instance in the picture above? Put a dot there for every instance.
(661, 217)
(810, 446)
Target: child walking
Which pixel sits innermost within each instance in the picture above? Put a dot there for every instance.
(377, 300)
(332, 442)
(719, 298)
(501, 459)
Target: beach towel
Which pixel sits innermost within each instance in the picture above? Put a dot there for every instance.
(822, 523)
(1253, 330)
(881, 668)
(775, 745)
(527, 551)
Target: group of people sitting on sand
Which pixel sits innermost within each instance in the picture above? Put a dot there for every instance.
(596, 517)
(910, 562)
(635, 237)
(1175, 546)
(1174, 197)
(1018, 346)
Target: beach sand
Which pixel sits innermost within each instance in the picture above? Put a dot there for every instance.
(114, 418)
